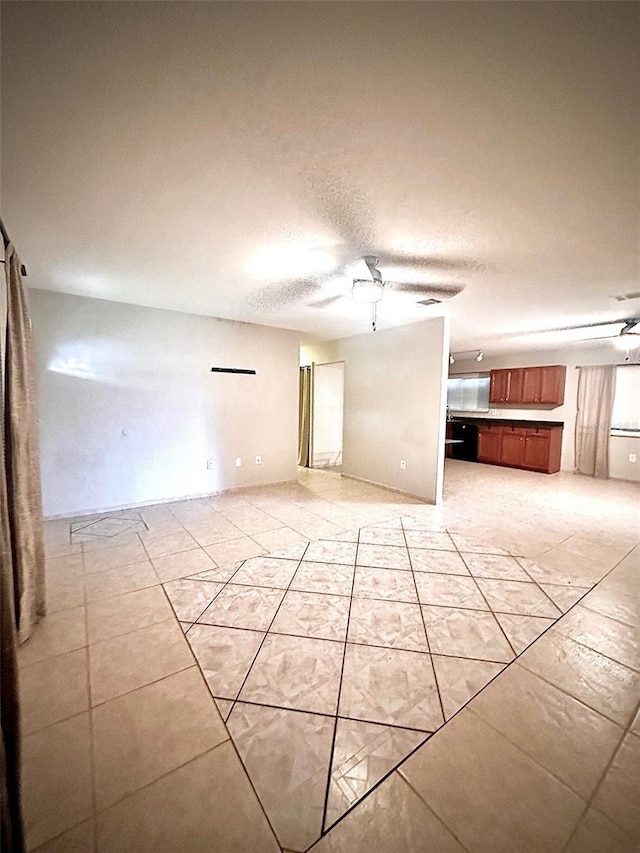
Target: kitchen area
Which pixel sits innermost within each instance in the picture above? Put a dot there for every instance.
(479, 428)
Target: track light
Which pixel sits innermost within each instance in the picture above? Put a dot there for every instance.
(476, 354)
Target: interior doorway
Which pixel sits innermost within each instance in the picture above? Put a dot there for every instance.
(321, 415)
(327, 413)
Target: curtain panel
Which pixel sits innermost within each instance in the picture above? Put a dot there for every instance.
(304, 418)
(596, 389)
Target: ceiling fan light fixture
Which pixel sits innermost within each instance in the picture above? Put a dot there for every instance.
(366, 292)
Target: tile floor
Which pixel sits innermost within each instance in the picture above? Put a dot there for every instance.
(337, 627)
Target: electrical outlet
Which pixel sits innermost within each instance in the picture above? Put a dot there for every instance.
(403, 465)
(632, 457)
(258, 460)
(210, 464)
(493, 411)
(238, 462)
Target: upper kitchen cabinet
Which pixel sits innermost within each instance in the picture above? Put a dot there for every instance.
(506, 385)
(528, 386)
(544, 385)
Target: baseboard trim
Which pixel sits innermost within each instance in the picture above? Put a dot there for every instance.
(389, 488)
(142, 504)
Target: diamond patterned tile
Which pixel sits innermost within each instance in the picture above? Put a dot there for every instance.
(296, 672)
(449, 591)
(443, 562)
(225, 656)
(526, 599)
(219, 574)
(393, 624)
(333, 578)
(434, 540)
(109, 527)
(383, 556)
(521, 631)
(391, 687)
(564, 597)
(266, 571)
(380, 535)
(224, 706)
(190, 598)
(269, 632)
(466, 634)
(495, 566)
(251, 607)
(384, 583)
(475, 546)
(311, 614)
(363, 754)
(460, 679)
(325, 551)
(287, 755)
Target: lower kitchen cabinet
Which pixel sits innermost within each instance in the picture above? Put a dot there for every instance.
(513, 447)
(521, 445)
(490, 444)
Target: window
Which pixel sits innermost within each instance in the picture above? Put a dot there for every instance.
(468, 393)
(626, 402)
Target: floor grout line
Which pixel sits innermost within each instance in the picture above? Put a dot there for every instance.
(335, 725)
(373, 523)
(424, 623)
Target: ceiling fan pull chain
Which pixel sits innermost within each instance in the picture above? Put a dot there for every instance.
(374, 314)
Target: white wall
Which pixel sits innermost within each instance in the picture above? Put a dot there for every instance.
(328, 412)
(395, 405)
(105, 369)
(619, 448)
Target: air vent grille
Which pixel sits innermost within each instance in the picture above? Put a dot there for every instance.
(625, 297)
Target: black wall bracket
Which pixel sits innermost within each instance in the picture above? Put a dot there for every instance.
(233, 370)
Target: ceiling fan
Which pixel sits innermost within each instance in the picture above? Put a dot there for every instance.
(355, 272)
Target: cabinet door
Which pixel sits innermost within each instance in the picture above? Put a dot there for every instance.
(536, 450)
(489, 445)
(498, 386)
(552, 381)
(531, 378)
(514, 385)
(513, 445)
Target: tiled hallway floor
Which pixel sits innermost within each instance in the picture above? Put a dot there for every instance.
(338, 626)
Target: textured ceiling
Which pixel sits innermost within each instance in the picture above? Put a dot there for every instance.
(213, 157)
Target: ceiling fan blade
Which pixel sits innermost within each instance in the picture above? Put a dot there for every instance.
(329, 300)
(430, 262)
(443, 290)
(346, 209)
(285, 293)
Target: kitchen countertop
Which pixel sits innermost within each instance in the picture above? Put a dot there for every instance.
(531, 423)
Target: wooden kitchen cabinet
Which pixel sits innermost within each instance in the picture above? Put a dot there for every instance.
(543, 450)
(505, 386)
(513, 447)
(490, 444)
(528, 386)
(521, 444)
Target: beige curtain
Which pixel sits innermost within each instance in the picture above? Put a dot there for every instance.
(596, 388)
(21, 456)
(304, 417)
(22, 591)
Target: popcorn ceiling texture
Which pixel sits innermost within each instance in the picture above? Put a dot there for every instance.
(497, 140)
